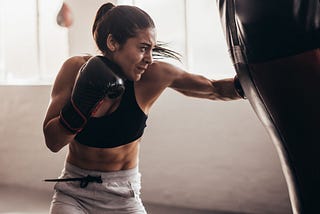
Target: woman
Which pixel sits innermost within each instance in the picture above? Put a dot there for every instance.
(104, 141)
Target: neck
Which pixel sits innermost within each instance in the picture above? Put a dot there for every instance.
(115, 67)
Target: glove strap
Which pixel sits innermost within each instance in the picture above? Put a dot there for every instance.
(71, 118)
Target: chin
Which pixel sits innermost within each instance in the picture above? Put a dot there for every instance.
(137, 77)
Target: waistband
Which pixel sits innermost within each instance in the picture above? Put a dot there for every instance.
(106, 176)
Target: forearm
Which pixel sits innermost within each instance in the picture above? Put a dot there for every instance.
(202, 87)
(56, 136)
(225, 89)
(199, 86)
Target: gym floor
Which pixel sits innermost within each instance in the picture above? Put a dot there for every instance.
(14, 200)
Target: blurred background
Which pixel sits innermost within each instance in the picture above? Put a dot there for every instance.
(197, 156)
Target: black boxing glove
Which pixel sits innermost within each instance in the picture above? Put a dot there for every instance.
(96, 79)
(238, 87)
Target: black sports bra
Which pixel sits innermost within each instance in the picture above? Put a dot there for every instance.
(125, 125)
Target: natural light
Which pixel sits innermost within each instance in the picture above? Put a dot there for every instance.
(192, 28)
(32, 45)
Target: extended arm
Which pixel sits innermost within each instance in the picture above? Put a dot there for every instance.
(199, 86)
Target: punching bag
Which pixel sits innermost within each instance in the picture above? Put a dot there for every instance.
(275, 49)
(65, 16)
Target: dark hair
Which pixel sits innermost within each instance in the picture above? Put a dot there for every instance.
(100, 13)
(160, 51)
(123, 22)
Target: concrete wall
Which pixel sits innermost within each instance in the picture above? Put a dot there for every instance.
(195, 153)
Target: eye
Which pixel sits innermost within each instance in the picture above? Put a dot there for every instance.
(143, 49)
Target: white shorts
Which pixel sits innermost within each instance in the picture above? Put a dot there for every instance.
(117, 192)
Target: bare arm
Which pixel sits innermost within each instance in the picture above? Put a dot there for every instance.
(199, 86)
(56, 136)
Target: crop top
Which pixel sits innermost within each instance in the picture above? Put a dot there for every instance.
(125, 125)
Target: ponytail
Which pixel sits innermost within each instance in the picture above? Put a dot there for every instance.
(160, 51)
(123, 22)
(100, 13)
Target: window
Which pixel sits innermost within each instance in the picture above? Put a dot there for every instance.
(32, 45)
(193, 29)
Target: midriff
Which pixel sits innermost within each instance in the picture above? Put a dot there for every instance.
(104, 159)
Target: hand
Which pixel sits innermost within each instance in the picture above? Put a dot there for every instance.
(96, 79)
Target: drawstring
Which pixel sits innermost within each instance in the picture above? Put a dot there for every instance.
(84, 181)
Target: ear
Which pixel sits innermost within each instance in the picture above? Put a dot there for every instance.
(112, 44)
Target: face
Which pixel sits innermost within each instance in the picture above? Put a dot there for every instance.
(136, 54)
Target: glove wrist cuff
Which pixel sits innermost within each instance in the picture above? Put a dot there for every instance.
(238, 87)
(71, 118)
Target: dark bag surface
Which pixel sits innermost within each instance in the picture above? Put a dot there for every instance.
(275, 48)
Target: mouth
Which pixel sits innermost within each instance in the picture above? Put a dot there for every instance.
(141, 69)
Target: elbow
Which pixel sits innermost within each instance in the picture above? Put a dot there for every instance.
(50, 142)
(52, 148)
(56, 137)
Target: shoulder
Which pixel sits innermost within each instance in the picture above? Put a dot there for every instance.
(68, 72)
(71, 66)
(75, 62)
(163, 71)
(163, 66)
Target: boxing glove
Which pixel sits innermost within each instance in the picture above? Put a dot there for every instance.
(238, 87)
(98, 78)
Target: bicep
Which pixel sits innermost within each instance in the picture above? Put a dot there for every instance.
(59, 97)
(173, 77)
(162, 75)
(195, 85)
(61, 90)
(56, 103)
(189, 83)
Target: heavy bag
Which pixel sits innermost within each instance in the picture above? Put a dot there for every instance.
(275, 48)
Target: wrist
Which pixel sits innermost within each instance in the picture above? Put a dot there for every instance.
(71, 118)
(238, 87)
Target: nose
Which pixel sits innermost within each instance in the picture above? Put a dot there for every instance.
(148, 57)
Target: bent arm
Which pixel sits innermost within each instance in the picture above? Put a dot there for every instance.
(56, 136)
